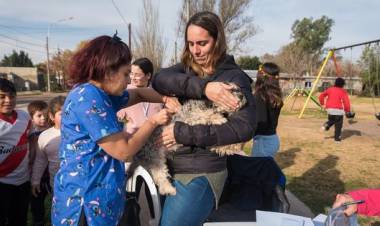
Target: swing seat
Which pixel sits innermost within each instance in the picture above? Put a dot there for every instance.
(350, 114)
(377, 115)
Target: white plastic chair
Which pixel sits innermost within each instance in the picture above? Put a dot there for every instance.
(131, 187)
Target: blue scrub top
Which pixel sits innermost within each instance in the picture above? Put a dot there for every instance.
(89, 179)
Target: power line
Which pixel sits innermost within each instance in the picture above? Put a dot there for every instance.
(17, 31)
(18, 40)
(119, 12)
(22, 47)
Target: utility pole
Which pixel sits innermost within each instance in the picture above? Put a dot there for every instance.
(47, 48)
(175, 52)
(47, 63)
(130, 36)
(188, 9)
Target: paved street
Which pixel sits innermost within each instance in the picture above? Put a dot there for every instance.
(24, 99)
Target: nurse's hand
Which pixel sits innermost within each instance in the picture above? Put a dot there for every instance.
(172, 103)
(162, 117)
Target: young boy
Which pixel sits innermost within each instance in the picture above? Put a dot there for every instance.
(38, 112)
(337, 104)
(14, 158)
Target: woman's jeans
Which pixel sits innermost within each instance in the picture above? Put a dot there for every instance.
(265, 146)
(190, 206)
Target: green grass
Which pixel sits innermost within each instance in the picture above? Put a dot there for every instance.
(47, 212)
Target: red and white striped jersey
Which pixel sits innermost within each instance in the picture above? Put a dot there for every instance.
(14, 149)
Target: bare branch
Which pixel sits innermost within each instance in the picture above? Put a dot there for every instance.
(148, 40)
(238, 26)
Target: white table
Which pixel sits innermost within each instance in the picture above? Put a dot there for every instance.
(230, 224)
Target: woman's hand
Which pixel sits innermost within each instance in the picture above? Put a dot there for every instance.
(344, 198)
(220, 93)
(162, 117)
(171, 103)
(121, 114)
(166, 139)
(35, 189)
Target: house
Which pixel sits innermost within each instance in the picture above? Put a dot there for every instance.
(288, 82)
(24, 78)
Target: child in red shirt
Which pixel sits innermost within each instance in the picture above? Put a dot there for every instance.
(336, 105)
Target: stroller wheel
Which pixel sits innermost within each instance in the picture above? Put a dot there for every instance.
(377, 115)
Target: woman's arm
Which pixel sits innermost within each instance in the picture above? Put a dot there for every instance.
(370, 207)
(239, 128)
(174, 81)
(137, 95)
(121, 148)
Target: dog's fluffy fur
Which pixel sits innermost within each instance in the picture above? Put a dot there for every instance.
(193, 112)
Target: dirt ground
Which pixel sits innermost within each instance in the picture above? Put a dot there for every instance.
(317, 168)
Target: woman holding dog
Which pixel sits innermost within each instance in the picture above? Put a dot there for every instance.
(89, 187)
(198, 173)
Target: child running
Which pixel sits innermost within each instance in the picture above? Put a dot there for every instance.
(337, 104)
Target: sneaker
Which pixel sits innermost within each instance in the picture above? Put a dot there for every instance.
(324, 128)
(338, 140)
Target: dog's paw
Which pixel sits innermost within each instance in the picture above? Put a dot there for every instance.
(167, 190)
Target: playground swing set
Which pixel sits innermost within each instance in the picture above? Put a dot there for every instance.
(331, 55)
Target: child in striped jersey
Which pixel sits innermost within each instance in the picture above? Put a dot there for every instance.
(15, 127)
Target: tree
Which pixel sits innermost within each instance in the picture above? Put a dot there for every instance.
(248, 62)
(369, 61)
(310, 36)
(17, 60)
(148, 41)
(238, 26)
(58, 66)
(292, 59)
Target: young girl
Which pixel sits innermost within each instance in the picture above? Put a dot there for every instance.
(336, 102)
(268, 106)
(48, 146)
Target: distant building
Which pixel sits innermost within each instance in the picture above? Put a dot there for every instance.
(354, 84)
(24, 78)
(289, 82)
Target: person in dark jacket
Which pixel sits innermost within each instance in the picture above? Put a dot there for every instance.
(198, 173)
(268, 98)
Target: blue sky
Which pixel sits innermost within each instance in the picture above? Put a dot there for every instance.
(24, 24)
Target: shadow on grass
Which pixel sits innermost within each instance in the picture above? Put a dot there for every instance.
(318, 186)
(347, 133)
(286, 158)
(350, 132)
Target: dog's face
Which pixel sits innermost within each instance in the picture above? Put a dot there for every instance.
(236, 91)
